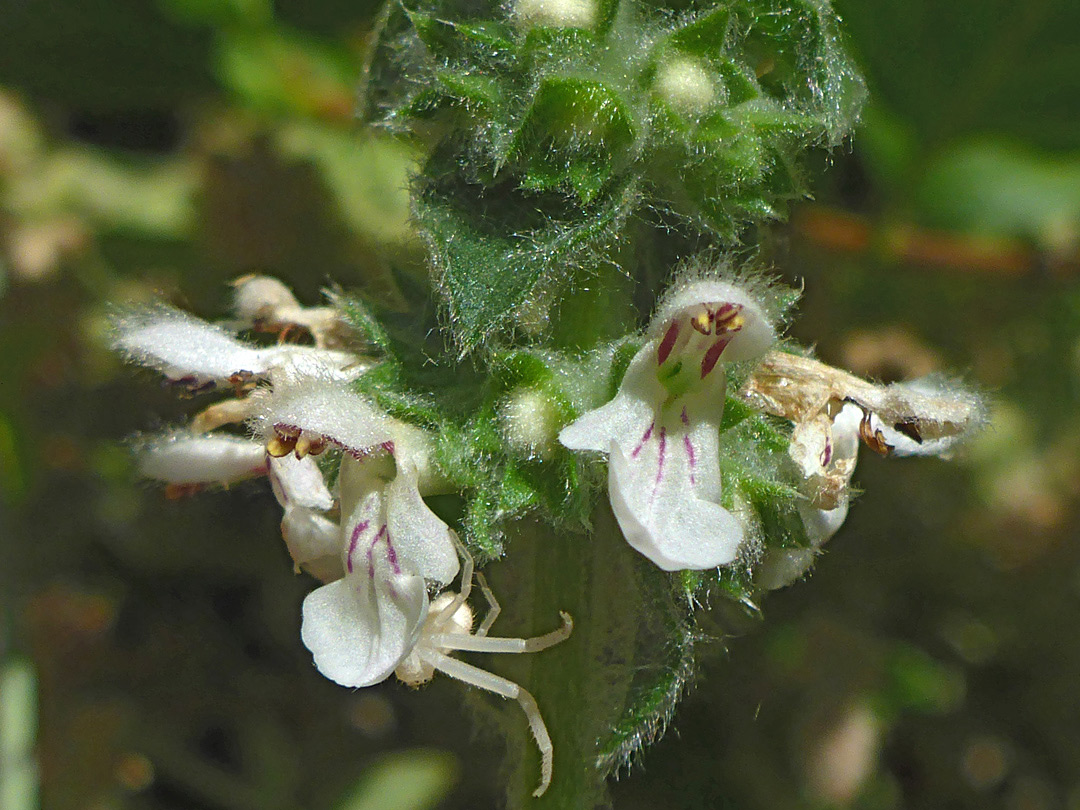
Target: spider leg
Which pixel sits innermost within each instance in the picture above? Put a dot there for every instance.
(494, 608)
(478, 643)
(466, 581)
(483, 679)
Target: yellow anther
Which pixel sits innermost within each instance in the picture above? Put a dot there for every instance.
(702, 322)
(733, 324)
(280, 446)
(303, 446)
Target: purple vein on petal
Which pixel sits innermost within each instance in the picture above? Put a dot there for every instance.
(359, 529)
(371, 552)
(826, 454)
(660, 459)
(689, 445)
(710, 358)
(645, 438)
(391, 553)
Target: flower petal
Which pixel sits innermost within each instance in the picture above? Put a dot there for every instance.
(783, 566)
(298, 482)
(309, 536)
(423, 542)
(360, 628)
(626, 416)
(329, 410)
(185, 459)
(665, 520)
(183, 347)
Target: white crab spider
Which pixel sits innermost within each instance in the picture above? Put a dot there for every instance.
(448, 627)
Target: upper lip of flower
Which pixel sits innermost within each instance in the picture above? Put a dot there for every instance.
(198, 354)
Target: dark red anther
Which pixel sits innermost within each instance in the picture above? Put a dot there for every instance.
(725, 313)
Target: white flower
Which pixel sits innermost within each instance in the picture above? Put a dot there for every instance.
(825, 449)
(194, 353)
(265, 304)
(361, 626)
(313, 540)
(661, 429)
(926, 417)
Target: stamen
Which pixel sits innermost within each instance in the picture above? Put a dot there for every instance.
(702, 322)
(910, 428)
(243, 382)
(874, 439)
(724, 315)
(305, 443)
(281, 445)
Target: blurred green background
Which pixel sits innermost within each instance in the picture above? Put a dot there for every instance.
(149, 654)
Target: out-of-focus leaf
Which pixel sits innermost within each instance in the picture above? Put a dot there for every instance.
(21, 141)
(280, 72)
(12, 475)
(153, 198)
(220, 12)
(1005, 189)
(368, 175)
(104, 54)
(974, 65)
(407, 780)
(18, 728)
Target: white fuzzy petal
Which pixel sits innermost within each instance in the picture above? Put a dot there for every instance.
(185, 459)
(626, 416)
(309, 536)
(295, 365)
(260, 297)
(181, 346)
(331, 411)
(359, 477)
(360, 628)
(668, 523)
(784, 566)
(299, 482)
(423, 542)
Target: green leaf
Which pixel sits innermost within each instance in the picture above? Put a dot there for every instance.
(996, 188)
(705, 35)
(491, 249)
